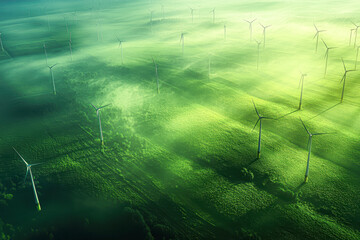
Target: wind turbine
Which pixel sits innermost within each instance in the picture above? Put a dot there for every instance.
(250, 26)
(356, 30)
(1, 44)
(121, 48)
(99, 30)
(70, 47)
(264, 30)
(351, 31)
(259, 120)
(357, 55)
(309, 149)
(182, 42)
(192, 15)
(74, 14)
(326, 55)
(67, 28)
(2, 47)
(157, 76)
(258, 54)
(344, 79)
(209, 66)
(52, 77)
(317, 36)
(151, 17)
(98, 114)
(302, 87)
(46, 58)
(28, 169)
(225, 32)
(213, 12)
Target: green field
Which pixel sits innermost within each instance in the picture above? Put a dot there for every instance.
(181, 163)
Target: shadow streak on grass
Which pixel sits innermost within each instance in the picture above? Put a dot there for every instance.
(324, 111)
(287, 114)
(297, 189)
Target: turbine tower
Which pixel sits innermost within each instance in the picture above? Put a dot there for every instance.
(309, 149)
(1, 44)
(344, 79)
(326, 55)
(259, 120)
(264, 32)
(301, 83)
(52, 77)
(317, 36)
(157, 76)
(121, 49)
(28, 169)
(250, 26)
(98, 114)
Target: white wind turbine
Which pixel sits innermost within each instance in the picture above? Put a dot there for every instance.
(28, 169)
(98, 114)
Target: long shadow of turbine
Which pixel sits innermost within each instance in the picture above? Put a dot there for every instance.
(328, 109)
(287, 114)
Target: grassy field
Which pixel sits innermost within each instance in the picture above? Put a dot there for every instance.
(180, 164)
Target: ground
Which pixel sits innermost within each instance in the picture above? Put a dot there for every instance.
(180, 164)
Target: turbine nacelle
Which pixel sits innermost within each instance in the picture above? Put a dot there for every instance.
(264, 27)
(250, 22)
(259, 116)
(327, 48)
(50, 67)
(356, 26)
(346, 71)
(317, 31)
(258, 43)
(99, 108)
(308, 132)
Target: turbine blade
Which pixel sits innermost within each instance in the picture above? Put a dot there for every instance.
(319, 133)
(255, 124)
(301, 78)
(317, 33)
(316, 28)
(20, 156)
(343, 64)
(343, 78)
(324, 43)
(256, 109)
(304, 126)
(104, 106)
(34, 164)
(94, 107)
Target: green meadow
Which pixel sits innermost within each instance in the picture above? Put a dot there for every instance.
(180, 163)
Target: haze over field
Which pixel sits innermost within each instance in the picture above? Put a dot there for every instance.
(179, 158)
